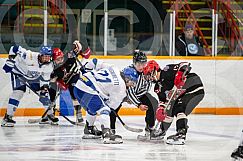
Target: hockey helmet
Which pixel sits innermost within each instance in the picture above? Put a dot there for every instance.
(130, 75)
(45, 54)
(57, 56)
(139, 57)
(150, 70)
(150, 67)
(46, 50)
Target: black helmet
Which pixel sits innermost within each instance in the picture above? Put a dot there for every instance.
(139, 56)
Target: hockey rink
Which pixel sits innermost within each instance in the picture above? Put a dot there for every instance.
(210, 137)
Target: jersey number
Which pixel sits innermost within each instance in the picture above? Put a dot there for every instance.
(102, 78)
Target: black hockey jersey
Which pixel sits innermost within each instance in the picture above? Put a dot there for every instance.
(67, 70)
(166, 82)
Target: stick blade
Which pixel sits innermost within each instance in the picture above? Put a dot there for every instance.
(33, 121)
(133, 129)
(80, 123)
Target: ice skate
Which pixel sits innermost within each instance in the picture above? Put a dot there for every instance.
(146, 135)
(237, 154)
(91, 132)
(110, 138)
(177, 139)
(49, 119)
(8, 121)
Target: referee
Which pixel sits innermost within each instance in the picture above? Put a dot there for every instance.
(139, 95)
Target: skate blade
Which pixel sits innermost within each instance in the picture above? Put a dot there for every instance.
(175, 142)
(33, 121)
(48, 123)
(7, 125)
(108, 141)
(44, 123)
(54, 123)
(143, 138)
(80, 123)
(87, 136)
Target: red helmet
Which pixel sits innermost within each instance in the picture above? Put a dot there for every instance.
(150, 67)
(56, 53)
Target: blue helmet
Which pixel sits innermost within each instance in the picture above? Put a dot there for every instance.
(130, 73)
(46, 50)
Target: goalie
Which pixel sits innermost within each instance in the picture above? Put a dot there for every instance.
(179, 92)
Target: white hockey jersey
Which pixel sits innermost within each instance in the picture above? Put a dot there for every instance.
(27, 65)
(108, 83)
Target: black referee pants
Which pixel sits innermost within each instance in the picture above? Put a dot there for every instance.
(146, 99)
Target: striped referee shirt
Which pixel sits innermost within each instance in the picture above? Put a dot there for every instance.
(141, 88)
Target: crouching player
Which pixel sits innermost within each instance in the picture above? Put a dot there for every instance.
(99, 92)
(189, 92)
(66, 73)
(32, 68)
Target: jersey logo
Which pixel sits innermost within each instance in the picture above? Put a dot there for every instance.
(84, 78)
(102, 76)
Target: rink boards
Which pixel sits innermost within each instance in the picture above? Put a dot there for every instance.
(222, 78)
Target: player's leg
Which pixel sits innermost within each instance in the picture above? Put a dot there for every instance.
(19, 89)
(96, 105)
(86, 100)
(50, 117)
(113, 119)
(52, 92)
(89, 98)
(76, 104)
(182, 108)
(164, 126)
(90, 130)
(152, 104)
(109, 137)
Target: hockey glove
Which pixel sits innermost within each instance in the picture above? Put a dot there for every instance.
(77, 47)
(86, 54)
(8, 66)
(179, 80)
(44, 97)
(161, 112)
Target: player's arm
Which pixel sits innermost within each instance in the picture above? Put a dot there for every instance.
(134, 99)
(160, 92)
(13, 52)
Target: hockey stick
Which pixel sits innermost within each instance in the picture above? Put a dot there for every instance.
(72, 122)
(32, 121)
(125, 126)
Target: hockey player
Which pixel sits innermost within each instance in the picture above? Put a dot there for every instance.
(66, 73)
(32, 68)
(139, 95)
(189, 92)
(98, 92)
